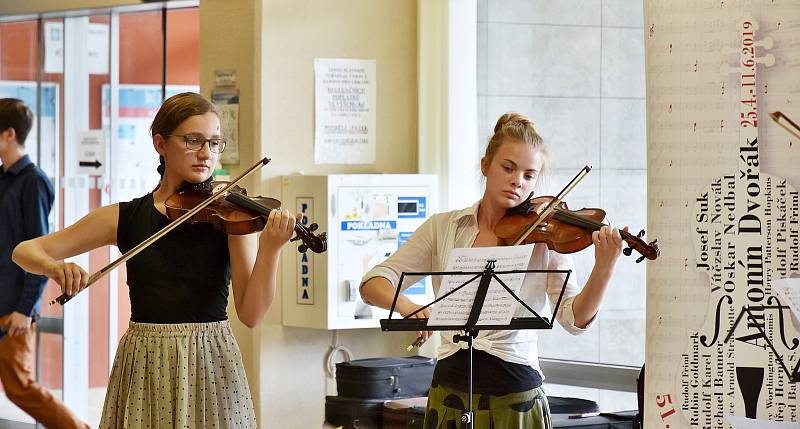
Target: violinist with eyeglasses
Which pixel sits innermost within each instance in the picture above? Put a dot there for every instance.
(178, 363)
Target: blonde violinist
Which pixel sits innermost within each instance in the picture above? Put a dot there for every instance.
(508, 387)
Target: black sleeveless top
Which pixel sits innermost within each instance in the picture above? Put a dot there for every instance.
(490, 374)
(183, 277)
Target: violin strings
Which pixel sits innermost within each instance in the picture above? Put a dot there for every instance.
(581, 221)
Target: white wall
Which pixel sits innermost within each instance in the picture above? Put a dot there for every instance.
(576, 69)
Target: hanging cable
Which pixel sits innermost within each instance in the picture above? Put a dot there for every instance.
(330, 362)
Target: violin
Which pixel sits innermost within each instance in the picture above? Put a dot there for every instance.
(563, 230)
(237, 213)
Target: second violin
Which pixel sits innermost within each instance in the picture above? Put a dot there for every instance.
(565, 231)
(547, 219)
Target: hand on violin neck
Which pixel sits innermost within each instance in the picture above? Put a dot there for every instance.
(607, 246)
(279, 229)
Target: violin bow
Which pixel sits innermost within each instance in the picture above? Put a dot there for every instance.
(553, 204)
(778, 115)
(162, 232)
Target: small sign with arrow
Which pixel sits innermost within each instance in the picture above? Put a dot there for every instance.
(92, 153)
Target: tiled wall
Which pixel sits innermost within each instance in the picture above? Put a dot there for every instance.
(576, 68)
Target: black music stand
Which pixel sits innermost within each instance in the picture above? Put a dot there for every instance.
(470, 328)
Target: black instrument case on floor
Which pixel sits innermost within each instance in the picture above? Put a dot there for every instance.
(385, 378)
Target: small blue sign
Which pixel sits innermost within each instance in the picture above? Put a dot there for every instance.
(402, 237)
(372, 225)
(417, 288)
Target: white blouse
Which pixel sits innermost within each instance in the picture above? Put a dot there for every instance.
(428, 249)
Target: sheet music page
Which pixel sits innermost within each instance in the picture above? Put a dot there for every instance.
(788, 291)
(738, 422)
(499, 306)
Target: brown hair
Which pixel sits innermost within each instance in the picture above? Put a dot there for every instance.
(15, 114)
(174, 111)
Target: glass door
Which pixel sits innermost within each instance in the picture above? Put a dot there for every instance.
(115, 68)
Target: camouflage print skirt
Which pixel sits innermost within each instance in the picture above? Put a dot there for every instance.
(528, 410)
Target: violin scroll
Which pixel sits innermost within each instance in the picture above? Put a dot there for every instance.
(646, 250)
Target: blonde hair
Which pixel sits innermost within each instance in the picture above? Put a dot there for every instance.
(514, 126)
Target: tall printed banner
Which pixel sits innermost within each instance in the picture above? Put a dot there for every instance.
(723, 101)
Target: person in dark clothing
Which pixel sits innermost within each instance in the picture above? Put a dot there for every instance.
(26, 197)
(178, 365)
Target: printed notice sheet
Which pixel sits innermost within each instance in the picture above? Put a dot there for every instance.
(345, 106)
(499, 306)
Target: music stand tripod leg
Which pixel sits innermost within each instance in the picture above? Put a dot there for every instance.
(468, 416)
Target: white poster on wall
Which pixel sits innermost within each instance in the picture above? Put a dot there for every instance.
(97, 52)
(53, 47)
(345, 111)
(227, 102)
(92, 153)
(133, 159)
(723, 177)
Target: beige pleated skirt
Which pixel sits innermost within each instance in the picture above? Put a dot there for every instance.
(187, 375)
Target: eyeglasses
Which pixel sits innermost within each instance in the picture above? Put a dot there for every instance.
(215, 144)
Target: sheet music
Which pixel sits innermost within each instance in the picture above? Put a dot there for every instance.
(738, 422)
(788, 291)
(499, 306)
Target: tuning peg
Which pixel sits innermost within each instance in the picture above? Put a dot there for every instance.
(313, 227)
(640, 259)
(627, 251)
(293, 239)
(302, 248)
(640, 234)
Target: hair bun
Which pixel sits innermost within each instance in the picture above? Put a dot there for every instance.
(512, 118)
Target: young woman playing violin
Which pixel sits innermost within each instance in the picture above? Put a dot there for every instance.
(508, 385)
(178, 365)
